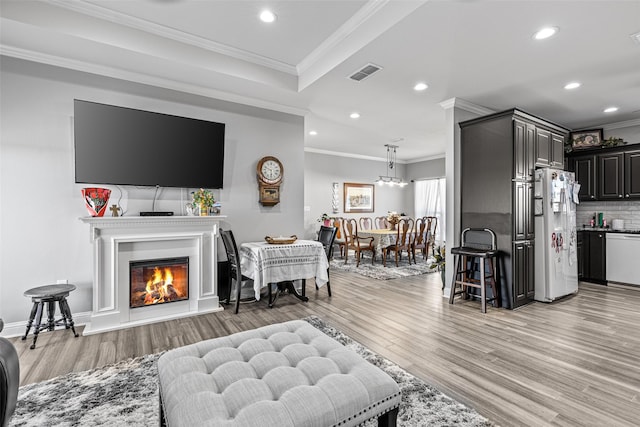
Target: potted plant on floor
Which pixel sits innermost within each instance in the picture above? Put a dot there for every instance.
(438, 262)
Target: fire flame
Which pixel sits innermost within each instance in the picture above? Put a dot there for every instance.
(158, 287)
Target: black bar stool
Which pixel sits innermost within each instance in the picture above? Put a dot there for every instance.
(478, 246)
(49, 294)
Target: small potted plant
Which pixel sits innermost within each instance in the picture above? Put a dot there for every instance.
(204, 200)
(325, 219)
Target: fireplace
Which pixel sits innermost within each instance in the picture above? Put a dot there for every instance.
(158, 281)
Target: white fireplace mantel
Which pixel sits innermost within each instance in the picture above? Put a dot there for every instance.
(120, 240)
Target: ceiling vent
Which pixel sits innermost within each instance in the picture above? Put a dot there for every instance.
(365, 72)
(636, 37)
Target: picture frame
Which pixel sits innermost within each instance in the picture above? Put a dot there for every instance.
(586, 139)
(359, 198)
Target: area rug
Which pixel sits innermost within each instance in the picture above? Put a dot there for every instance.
(380, 272)
(126, 394)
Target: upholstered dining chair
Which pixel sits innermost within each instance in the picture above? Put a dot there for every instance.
(404, 241)
(327, 236)
(357, 243)
(233, 256)
(365, 223)
(381, 223)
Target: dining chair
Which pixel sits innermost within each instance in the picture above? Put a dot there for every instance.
(327, 236)
(420, 241)
(381, 222)
(340, 239)
(404, 241)
(357, 243)
(432, 228)
(233, 256)
(365, 223)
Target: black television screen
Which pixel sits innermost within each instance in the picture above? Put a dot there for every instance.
(124, 146)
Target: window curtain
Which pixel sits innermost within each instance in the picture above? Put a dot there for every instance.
(430, 201)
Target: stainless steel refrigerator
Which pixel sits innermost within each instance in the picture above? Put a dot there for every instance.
(556, 260)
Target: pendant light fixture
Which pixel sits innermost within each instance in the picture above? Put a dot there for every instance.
(391, 166)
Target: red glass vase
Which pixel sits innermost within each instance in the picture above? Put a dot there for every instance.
(96, 199)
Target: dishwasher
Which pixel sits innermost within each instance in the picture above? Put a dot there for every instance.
(623, 253)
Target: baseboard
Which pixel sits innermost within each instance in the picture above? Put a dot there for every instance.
(16, 329)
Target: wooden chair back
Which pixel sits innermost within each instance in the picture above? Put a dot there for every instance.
(366, 223)
(381, 222)
(432, 228)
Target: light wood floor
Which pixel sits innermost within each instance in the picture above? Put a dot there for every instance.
(574, 362)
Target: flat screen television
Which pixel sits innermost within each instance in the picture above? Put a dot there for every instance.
(124, 146)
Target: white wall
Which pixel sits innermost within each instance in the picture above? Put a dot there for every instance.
(321, 170)
(41, 238)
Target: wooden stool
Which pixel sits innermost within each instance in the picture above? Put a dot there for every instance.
(472, 254)
(49, 294)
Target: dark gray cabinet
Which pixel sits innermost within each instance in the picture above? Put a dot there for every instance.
(610, 177)
(607, 173)
(523, 261)
(632, 174)
(585, 170)
(557, 150)
(499, 154)
(592, 256)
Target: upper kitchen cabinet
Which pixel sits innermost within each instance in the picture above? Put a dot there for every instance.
(585, 170)
(607, 173)
(549, 148)
(632, 174)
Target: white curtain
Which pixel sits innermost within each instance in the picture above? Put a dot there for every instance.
(430, 201)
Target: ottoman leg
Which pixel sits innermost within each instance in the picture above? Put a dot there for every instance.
(388, 419)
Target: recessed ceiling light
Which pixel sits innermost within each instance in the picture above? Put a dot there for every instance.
(545, 33)
(572, 85)
(267, 16)
(313, 133)
(354, 115)
(611, 109)
(420, 86)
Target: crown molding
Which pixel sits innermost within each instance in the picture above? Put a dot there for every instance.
(142, 78)
(170, 33)
(427, 158)
(465, 105)
(360, 17)
(351, 155)
(620, 125)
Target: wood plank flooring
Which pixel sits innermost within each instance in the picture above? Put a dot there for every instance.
(575, 362)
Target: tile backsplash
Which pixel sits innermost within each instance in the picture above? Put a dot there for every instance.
(629, 211)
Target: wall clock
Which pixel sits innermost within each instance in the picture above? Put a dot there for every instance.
(269, 174)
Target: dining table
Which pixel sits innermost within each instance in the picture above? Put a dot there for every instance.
(382, 237)
(282, 264)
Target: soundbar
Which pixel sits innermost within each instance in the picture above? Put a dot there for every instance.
(156, 213)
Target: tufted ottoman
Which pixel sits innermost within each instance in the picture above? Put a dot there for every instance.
(286, 374)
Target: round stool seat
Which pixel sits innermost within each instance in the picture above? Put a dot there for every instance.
(50, 291)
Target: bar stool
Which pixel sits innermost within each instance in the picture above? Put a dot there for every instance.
(49, 294)
(478, 246)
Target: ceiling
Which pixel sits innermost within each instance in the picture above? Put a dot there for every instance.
(481, 52)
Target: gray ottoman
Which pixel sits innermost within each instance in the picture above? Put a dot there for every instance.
(287, 374)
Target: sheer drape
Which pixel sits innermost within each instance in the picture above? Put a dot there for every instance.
(430, 201)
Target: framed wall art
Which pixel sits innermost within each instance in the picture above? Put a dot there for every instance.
(586, 139)
(358, 197)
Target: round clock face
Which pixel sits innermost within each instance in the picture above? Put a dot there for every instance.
(271, 171)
